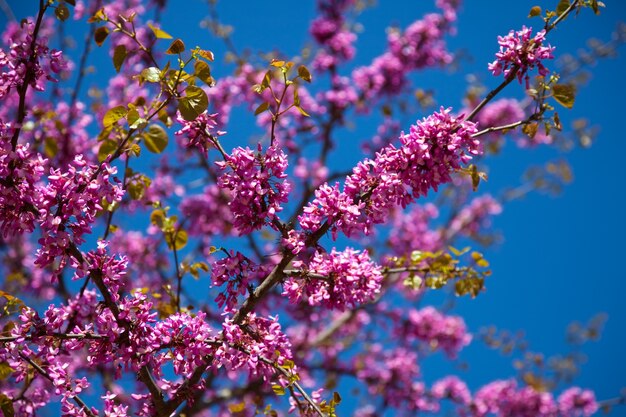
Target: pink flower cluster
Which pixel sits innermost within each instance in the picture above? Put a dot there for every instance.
(429, 153)
(238, 273)
(502, 398)
(20, 191)
(257, 194)
(209, 212)
(253, 342)
(421, 45)
(21, 64)
(412, 231)
(520, 52)
(393, 374)
(110, 270)
(69, 205)
(330, 33)
(437, 330)
(198, 132)
(474, 217)
(337, 280)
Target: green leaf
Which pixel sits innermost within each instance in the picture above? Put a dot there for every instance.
(134, 120)
(119, 55)
(100, 35)
(202, 70)
(564, 94)
(563, 5)
(304, 73)
(208, 55)
(5, 371)
(237, 408)
(151, 74)
(160, 34)
(113, 115)
(62, 12)
(302, 112)
(155, 138)
(157, 218)
(278, 389)
(193, 104)
(530, 129)
(264, 106)
(6, 405)
(176, 47)
(107, 147)
(535, 11)
(50, 147)
(177, 239)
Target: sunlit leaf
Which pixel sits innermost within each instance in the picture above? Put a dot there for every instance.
(264, 106)
(278, 389)
(113, 115)
(535, 11)
(50, 147)
(304, 73)
(194, 103)
(237, 408)
(176, 47)
(62, 12)
(155, 138)
(177, 239)
(100, 35)
(202, 70)
(159, 33)
(119, 55)
(564, 94)
(107, 148)
(6, 405)
(151, 74)
(562, 7)
(157, 218)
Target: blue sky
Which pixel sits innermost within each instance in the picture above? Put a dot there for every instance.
(561, 257)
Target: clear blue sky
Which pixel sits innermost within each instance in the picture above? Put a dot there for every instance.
(561, 258)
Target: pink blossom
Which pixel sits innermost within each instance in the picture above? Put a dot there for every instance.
(521, 53)
(337, 280)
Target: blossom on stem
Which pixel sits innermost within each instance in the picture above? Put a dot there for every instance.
(336, 280)
(257, 194)
(520, 52)
(434, 148)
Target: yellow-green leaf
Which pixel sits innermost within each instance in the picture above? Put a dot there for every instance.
(237, 408)
(193, 104)
(113, 115)
(278, 389)
(50, 147)
(304, 73)
(535, 11)
(177, 239)
(157, 218)
(208, 55)
(119, 55)
(562, 6)
(176, 47)
(62, 12)
(107, 147)
(202, 70)
(159, 33)
(264, 106)
(564, 94)
(151, 74)
(155, 138)
(100, 35)
(6, 405)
